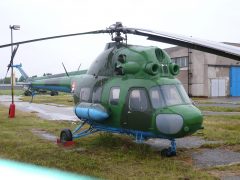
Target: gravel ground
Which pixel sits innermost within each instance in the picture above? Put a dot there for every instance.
(49, 112)
(215, 157)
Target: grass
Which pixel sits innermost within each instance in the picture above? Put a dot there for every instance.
(212, 101)
(103, 155)
(219, 109)
(226, 130)
(111, 156)
(225, 170)
(62, 98)
(222, 128)
(9, 92)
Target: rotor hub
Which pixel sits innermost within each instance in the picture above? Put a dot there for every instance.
(118, 29)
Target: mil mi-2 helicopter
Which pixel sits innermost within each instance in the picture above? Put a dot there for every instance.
(132, 89)
(26, 80)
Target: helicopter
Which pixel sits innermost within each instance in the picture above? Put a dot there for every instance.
(26, 80)
(132, 89)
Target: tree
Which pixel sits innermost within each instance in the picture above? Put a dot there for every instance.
(7, 80)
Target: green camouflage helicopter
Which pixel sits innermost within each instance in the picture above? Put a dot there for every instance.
(132, 89)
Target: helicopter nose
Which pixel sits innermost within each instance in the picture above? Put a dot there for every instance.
(169, 123)
(186, 119)
(192, 118)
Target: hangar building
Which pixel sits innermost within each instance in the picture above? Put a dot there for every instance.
(206, 75)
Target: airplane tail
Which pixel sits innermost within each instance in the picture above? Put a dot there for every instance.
(19, 67)
(54, 83)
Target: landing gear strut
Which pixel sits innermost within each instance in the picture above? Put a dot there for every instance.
(171, 151)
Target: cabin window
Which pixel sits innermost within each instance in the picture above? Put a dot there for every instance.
(138, 100)
(114, 95)
(97, 92)
(84, 94)
(156, 97)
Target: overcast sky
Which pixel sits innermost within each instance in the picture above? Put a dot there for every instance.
(216, 20)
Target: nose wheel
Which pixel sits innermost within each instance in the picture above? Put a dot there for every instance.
(171, 151)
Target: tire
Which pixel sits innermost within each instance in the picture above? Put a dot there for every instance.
(54, 93)
(27, 93)
(66, 135)
(168, 153)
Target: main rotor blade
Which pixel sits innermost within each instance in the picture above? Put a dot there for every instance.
(12, 57)
(217, 48)
(184, 41)
(54, 37)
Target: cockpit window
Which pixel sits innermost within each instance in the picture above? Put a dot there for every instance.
(184, 94)
(171, 95)
(156, 97)
(168, 95)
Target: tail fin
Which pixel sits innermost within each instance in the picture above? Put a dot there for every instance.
(19, 67)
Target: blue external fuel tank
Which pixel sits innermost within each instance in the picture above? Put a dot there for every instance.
(91, 111)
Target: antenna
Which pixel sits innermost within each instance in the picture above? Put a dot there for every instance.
(79, 67)
(65, 69)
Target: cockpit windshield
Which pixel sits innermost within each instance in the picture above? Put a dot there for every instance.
(168, 95)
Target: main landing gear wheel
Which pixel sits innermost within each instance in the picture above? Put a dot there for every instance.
(66, 135)
(168, 153)
(54, 93)
(171, 151)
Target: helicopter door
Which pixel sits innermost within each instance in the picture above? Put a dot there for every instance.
(137, 110)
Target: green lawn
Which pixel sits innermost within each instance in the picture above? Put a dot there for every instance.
(226, 130)
(62, 98)
(223, 128)
(111, 156)
(9, 92)
(219, 109)
(101, 155)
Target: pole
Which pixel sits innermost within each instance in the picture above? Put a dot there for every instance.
(11, 113)
(189, 72)
(12, 66)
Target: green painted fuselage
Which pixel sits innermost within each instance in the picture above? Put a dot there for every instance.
(137, 87)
